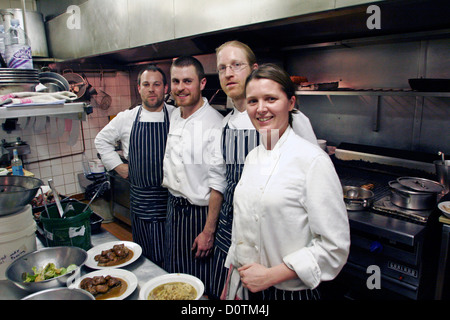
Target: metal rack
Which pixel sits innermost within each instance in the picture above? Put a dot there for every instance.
(74, 111)
(372, 92)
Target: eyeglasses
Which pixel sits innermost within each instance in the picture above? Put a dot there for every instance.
(236, 66)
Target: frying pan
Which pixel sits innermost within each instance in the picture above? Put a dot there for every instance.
(77, 83)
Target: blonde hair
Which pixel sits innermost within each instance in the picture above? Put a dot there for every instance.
(251, 58)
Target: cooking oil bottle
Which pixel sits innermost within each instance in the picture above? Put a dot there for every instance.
(16, 164)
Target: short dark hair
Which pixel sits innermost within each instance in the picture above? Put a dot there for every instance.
(186, 61)
(152, 68)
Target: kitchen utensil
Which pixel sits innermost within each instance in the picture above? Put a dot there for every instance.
(16, 192)
(103, 99)
(408, 198)
(54, 82)
(77, 83)
(56, 197)
(440, 153)
(357, 198)
(60, 294)
(442, 171)
(420, 184)
(60, 256)
(95, 195)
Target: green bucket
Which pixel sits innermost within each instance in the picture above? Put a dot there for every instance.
(73, 230)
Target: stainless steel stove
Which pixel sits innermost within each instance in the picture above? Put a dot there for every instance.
(401, 243)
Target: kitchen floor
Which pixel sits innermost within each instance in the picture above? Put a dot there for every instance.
(119, 229)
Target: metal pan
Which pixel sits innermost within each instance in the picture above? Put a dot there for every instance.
(54, 82)
(77, 83)
(357, 198)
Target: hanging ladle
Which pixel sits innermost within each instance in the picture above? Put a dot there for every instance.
(56, 197)
(95, 195)
(440, 153)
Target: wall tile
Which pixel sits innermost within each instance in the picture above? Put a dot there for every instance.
(44, 146)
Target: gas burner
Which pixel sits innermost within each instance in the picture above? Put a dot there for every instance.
(385, 206)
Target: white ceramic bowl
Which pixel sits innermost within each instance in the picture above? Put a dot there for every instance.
(322, 144)
(172, 277)
(445, 208)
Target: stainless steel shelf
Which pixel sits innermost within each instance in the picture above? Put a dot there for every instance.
(74, 110)
(371, 93)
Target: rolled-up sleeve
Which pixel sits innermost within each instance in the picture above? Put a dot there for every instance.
(216, 172)
(105, 144)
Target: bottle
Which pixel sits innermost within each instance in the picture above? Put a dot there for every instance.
(85, 163)
(16, 164)
(17, 47)
(2, 41)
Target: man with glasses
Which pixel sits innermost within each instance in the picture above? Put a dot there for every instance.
(235, 62)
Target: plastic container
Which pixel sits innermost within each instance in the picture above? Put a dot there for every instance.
(72, 230)
(17, 237)
(96, 166)
(17, 47)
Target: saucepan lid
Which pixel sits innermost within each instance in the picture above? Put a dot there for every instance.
(420, 184)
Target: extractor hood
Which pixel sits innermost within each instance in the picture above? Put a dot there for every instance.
(132, 32)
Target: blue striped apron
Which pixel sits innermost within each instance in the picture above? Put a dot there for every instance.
(236, 144)
(148, 200)
(185, 222)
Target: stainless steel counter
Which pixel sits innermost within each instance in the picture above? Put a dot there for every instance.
(143, 268)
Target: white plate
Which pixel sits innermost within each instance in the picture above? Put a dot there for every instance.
(125, 275)
(91, 263)
(445, 208)
(172, 277)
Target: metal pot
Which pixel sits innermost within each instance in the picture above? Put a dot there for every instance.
(408, 193)
(34, 28)
(357, 198)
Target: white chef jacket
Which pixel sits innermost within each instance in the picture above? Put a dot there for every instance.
(119, 128)
(302, 127)
(289, 208)
(191, 163)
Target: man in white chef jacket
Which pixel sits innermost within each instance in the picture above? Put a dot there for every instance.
(194, 178)
(143, 132)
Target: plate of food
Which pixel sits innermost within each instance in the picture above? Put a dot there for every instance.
(112, 284)
(114, 254)
(172, 286)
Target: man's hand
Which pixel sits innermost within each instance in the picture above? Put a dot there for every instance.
(122, 170)
(203, 244)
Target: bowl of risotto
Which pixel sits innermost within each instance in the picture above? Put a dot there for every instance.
(172, 286)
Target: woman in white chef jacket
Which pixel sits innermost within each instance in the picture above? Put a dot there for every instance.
(235, 61)
(290, 227)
